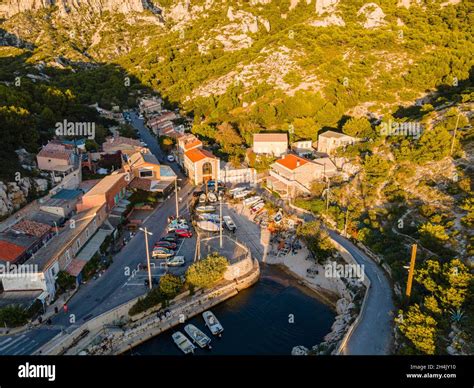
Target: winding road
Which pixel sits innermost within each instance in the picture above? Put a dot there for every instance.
(373, 335)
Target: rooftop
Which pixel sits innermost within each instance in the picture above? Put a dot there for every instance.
(58, 244)
(53, 152)
(167, 171)
(292, 162)
(197, 154)
(270, 137)
(32, 228)
(106, 184)
(45, 218)
(10, 251)
(115, 141)
(67, 194)
(333, 134)
(326, 162)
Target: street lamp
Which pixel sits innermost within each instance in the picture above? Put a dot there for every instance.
(221, 195)
(176, 195)
(146, 232)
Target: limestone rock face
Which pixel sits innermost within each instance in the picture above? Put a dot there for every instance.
(323, 6)
(13, 195)
(12, 7)
(374, 16)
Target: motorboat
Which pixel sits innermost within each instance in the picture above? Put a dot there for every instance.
(206, 209)
(241, 194)
(212, 197)
(197, 336)
(183, 342)
(212, 323)
(209, 217)
(208, 226)
(251, 200)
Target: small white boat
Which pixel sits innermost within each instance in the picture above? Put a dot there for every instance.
(212, 323)
(209, 217)
(183, 342)
(250, 201)
(236, 190)
(205, 209)
(208, 226)
(242, 194)
(202, 198)
(197, 336)
(257, 207)
(212, 197)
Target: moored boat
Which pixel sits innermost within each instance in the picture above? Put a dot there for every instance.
(209, 217)
(212, 323)
(205, 209)
(183, 342)
(252, 200)
(198, 336)
(208, 226)
(212, 197)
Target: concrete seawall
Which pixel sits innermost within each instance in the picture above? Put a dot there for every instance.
(189, 307)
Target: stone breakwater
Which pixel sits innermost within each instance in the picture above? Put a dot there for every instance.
(116, 341)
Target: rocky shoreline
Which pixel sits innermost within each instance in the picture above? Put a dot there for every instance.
(344, 295)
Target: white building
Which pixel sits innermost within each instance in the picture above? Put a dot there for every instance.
(329, 141)
(275, 144)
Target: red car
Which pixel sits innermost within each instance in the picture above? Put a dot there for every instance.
(165, 244)
(183, 233)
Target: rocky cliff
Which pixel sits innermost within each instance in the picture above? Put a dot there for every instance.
(12, 7)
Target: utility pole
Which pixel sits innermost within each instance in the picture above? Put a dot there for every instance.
(327, 194)
(411, 270)
(176, 195)
(454, 133)
(144, 230)
(220, 219)
(345, 222)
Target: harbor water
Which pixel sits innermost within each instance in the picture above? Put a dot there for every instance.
(269, 318)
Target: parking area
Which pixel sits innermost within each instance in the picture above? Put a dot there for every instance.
(138, 276)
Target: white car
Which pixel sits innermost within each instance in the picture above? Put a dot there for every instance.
(176, 261)
(170, 158)
(140, 117)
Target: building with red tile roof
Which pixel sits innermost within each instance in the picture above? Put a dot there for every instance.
(10, 252)
(292, 174)
(201, 165)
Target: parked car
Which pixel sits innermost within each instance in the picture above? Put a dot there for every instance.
(162, 253)
(166, 244)
(175, 226)
(170, 158)
(177, 261)
(186, 233)
(170, 238)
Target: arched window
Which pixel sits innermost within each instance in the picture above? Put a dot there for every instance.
(207, 169)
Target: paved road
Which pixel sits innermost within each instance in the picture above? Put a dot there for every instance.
(373, 335)
(117, 285)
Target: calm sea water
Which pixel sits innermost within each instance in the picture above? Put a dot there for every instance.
(269, 318)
